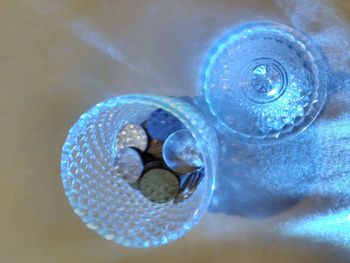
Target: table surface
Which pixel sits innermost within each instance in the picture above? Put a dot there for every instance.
(58, 58)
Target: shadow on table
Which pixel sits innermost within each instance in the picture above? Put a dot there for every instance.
(260, 181)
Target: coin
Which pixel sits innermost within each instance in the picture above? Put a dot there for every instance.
(147, 158)
(153, 165)
(159, 185)
(190, 185)
(128, 165)
(155, 148)
(149, 166)
(180, 152)
(135, 185)
(132, 135)
(160, 124)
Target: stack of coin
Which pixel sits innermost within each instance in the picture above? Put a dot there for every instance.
(128, 163)
(159, 158)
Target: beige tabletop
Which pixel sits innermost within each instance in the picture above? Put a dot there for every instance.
(60, 57)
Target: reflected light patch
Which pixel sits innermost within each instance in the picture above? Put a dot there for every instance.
(333, 227)
(84, 32)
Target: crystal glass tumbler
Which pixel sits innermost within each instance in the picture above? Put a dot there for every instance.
(110, 205)
(263, 82)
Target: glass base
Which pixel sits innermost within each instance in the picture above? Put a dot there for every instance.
(263, 82)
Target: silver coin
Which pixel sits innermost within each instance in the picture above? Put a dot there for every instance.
(132, 135)
(180, 152)
(159, 185)
(149, 166)
(190, 185)
(128, 165)
(161, 124)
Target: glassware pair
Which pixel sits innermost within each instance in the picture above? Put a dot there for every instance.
(261, 83)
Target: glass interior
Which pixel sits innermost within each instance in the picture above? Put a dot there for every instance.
(108, 204)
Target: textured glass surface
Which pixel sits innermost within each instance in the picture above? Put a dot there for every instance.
(263, 82)
(108, 204)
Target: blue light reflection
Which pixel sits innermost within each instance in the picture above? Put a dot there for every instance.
(333, 227)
